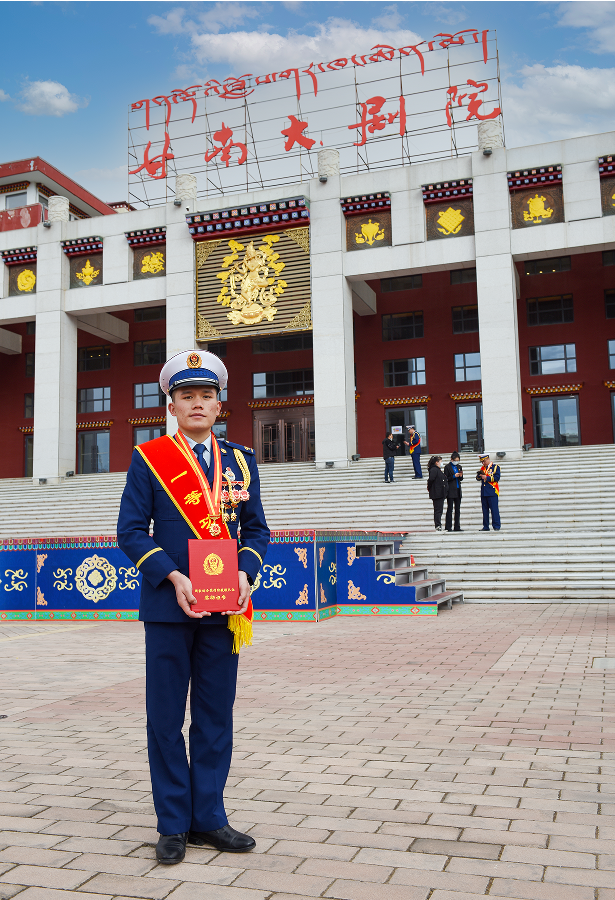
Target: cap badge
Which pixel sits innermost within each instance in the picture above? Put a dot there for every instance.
(194, 361)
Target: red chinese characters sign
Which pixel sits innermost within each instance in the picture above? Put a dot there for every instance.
(259, 121)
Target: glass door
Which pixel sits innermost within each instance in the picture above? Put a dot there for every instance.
(556, 421)
(93, 452)
(270, 442)
(470, 427)
(397, 421)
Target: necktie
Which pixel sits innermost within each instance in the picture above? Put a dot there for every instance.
(199, 449)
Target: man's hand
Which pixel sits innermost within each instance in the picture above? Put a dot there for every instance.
(183, 592)
(244, 596)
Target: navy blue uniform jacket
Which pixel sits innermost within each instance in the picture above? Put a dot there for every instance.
(156, 556)
(486, 488)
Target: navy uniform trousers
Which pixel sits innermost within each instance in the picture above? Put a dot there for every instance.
(188, 796)
(491, 504)
(183, 653)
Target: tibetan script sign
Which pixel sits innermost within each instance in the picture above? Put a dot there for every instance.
(253, 285)
(387, 107)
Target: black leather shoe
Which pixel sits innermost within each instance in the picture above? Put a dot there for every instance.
(171, 848)
(225, 838)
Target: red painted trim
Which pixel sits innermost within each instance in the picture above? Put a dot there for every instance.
(36, 164)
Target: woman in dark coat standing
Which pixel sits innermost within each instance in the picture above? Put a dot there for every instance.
(437, 485)
(454, 476)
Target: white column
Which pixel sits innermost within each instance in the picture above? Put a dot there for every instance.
(497, 307)
(180, 275)
(334, 382)
(55, 372)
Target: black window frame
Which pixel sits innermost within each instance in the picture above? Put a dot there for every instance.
(395, 329)
(550, 266)
(149, 428)
(401, 283)
(31, 327)
(145, 313)
(83, 400)
(94, 358)
(465, 366)
(274, 383)
(218, 348)
(394, 372)
(609, 303)
(30, 363)
(537, 362)
(468, 322)
(610, 346)
(463, 276)
(561, 311)
(283, 343)
(28, 405)
(145, 357)
(140, 395)
(608, 257)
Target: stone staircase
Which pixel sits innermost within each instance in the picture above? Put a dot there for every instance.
(558, 518)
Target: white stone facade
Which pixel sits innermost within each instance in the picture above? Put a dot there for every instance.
(338, 282)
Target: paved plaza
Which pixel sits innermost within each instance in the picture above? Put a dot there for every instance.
(447, 758)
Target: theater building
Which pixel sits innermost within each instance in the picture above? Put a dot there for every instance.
(474, 297)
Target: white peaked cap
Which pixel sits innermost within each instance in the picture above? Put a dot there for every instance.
(195, 367)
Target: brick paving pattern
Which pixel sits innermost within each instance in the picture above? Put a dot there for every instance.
(454, 758)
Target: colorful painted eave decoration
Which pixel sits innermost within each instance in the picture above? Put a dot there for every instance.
(12, 188)
(16, 257)
(446, 191)
(249, 219)
(286, 401)
(365, 203)
(472, 395)
(83, 246)
(527, 179)
(147, 236)
(606, 165)
(555, 389)
(403, 401)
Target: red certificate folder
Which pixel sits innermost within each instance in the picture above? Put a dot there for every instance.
(214, 575)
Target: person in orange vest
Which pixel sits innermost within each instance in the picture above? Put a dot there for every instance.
(489, 476)
(415, 450)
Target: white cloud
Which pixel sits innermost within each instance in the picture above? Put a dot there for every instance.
(389, 18)
(553, 102)
(48, 98)
(597, 17)
(449, 16)
(3, 96)
(219, 16)
(260, 52)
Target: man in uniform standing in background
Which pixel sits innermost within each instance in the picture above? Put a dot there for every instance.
(489, 476)
(415, 450)
(192, 486)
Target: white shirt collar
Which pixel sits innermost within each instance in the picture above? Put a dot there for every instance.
(193, 444)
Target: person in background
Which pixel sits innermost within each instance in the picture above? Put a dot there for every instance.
(415, 450)
(489, 475)
(454, 477)
(389, 451)
(437, 486)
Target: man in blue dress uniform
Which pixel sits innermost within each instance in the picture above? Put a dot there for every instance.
(184, 648)
(415, 450)
(489, 476)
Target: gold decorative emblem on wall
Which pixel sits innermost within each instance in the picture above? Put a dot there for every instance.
(354, 592)
(444, 221)
(26, 281)
(95, 578)
(302, 599)
(153, 263)
(543, 205)
(247, 286)
(607, 195)
(302, 554)
(366, 231)
(450, 221)
(370, 232)
(536, 210)
(257, 285)
(88, 273)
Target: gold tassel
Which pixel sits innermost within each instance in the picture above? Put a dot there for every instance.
(242, 632)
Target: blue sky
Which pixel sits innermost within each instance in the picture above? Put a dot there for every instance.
(69, 70)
